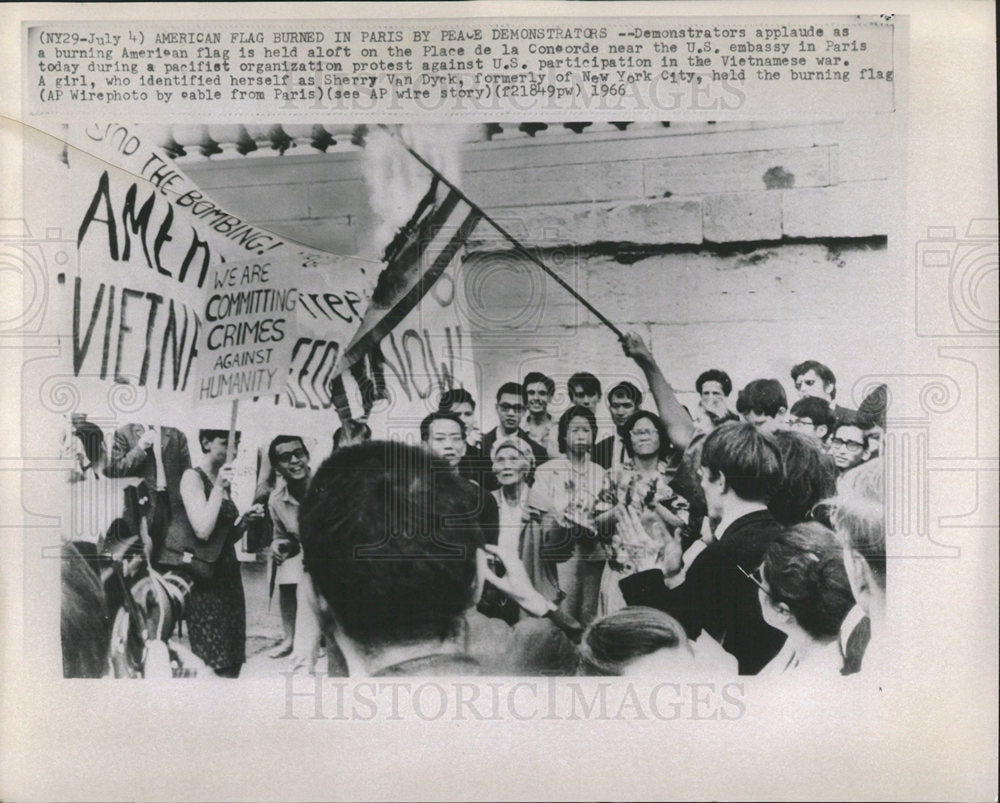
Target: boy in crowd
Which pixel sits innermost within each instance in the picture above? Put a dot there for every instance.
(444, 435)
(849, 446)
(740, 471)
(584, 390)
(763, 403)
(812, 416)
(624, 400)
(538, 422)
(510, 406)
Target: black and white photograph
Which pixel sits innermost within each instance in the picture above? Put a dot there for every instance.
(418, 390)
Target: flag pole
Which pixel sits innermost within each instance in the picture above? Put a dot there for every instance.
(522, 250)
(231, 443)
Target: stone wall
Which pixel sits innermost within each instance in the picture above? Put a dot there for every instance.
(742, 246)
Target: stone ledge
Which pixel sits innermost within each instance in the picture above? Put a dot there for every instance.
(742, 217)
(847, 210)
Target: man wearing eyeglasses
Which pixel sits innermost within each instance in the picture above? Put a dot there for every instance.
(811, 415)
(510, 407)
(849, 446)
(290, 458)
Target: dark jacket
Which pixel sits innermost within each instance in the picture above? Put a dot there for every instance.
(603, 453)
(716, 597)
(128, 460)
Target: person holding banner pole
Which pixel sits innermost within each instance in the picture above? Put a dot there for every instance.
(216, 608)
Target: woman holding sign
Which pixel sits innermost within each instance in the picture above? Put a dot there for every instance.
(216, 609)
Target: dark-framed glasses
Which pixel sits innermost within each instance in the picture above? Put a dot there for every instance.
(288, 457)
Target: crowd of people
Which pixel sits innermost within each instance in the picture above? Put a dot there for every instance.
(743, 539)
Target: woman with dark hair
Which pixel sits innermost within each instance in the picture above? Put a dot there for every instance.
(216, 609)
(804, 592)
(636, 641)
(641, 483)
(808, 477)
(572, 483)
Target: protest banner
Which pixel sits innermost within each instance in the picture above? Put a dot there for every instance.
(246, 339)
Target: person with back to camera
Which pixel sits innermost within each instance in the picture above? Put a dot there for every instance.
(804, 592)
(740, 470)
(859, 521)
(808, 479)
(644, 642)
(763, 403)
(216, 608)
(397, 564)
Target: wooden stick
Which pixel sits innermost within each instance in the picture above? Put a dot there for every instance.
(231, 443)
(517, 245)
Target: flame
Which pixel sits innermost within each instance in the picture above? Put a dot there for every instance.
(396, 181)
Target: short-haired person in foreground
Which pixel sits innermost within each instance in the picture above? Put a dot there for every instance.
(812, 416)
(740, 471)
(859, 521)
(763, 403)
(636, 641)
(808, 477)
(814, 379)
(395, 560)
(714, 387)
(804, 593)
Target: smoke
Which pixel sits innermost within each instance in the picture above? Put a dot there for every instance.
(396, 181)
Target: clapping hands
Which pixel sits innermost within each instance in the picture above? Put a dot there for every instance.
(648, 542)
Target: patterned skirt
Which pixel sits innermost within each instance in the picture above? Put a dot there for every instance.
(216, 615)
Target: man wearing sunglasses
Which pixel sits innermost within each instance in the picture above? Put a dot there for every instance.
(290, 458)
